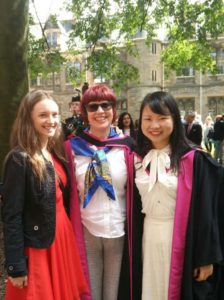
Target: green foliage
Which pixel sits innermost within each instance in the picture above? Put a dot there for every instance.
(75, 76)
(107, 63)
(41, 57)
(185, 53)
(194, 28)
(108, 28)
(190, 26)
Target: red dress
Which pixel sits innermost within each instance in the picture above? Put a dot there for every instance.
(54, 273)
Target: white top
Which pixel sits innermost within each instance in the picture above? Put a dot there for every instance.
(127, 131)
(102, 216)
(158, 193)
(161, 181)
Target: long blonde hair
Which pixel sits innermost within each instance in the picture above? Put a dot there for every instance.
(25, 137)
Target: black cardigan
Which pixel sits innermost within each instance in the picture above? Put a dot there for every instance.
(28, 210)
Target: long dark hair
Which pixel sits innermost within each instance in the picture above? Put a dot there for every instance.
(120, 123)
(159, 102)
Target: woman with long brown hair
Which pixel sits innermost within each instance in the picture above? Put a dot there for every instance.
(42, 260)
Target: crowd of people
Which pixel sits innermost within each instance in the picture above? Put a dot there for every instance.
(95, 210)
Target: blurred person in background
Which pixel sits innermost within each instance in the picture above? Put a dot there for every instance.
(193, 130)
(74, 124)
(126, 124)
(208, 133)
(218, 138)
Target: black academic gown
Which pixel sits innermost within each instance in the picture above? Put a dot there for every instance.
(204, 237)
(203, 240)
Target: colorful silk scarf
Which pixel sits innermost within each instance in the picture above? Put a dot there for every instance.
(98, 173)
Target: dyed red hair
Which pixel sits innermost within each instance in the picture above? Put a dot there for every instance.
(97, 93)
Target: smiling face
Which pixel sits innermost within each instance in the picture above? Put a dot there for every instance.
(157, 128)
(101, 119)
(45, 117)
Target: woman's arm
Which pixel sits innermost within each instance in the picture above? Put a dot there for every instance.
(13, 198)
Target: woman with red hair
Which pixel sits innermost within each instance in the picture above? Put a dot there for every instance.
(101, 168)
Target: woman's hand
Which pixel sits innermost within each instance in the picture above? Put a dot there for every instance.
(19, 282)
(202, 273)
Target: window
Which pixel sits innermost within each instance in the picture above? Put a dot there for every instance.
(67, 25)
(220, 61)
(220, 69)
(122, 104)
(213, 55)
(186, 104)
(77, 66)
(153, 48)
(153, 75)
(215, 105)
(39, 80)
(187, 71)
(52, 39)
(73, 71)
(99, 79)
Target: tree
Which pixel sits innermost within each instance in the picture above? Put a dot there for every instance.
(194, 28)
(108, 28)
(13, 64)
(42, 58)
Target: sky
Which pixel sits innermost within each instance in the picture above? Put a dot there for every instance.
(46, 7)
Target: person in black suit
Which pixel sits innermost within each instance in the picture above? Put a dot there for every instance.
(193, 130)
(74, 124)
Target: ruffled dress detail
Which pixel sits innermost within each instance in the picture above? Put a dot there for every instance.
(55, 273)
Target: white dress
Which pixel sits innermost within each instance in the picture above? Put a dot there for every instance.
(158, 194)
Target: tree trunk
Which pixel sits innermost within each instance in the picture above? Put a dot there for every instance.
(13, 65)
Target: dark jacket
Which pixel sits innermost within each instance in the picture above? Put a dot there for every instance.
(219, 130)
(195, 134)
(28, 210)
(204, 240)
(73, 125)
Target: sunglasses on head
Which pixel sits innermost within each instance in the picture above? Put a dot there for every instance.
(93, 107)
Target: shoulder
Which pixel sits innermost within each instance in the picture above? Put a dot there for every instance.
(69, 120)
(196, 124)
(202, 158)
(16, 155)
(15, 162)
(127, 141)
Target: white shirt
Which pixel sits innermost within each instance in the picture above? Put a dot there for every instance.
(157, 188)
(127, 131)
(104, 217)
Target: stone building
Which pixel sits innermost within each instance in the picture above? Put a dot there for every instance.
(203, 93)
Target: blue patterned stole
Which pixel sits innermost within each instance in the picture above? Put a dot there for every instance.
(98, 173)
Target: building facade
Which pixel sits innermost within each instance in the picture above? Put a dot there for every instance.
(203, 93)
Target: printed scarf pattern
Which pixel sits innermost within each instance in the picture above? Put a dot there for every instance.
(98, 172)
